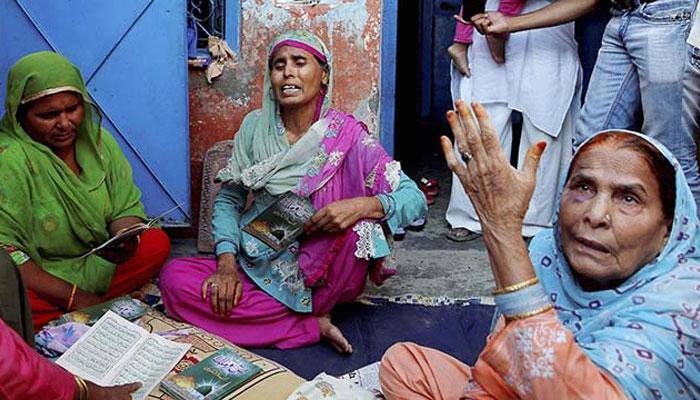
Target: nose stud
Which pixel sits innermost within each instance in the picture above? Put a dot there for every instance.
(608, 218)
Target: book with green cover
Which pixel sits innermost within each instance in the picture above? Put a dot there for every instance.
(282, 222)
(124, 306)
(212, 378)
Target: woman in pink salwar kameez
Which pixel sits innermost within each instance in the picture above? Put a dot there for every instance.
(254, 295)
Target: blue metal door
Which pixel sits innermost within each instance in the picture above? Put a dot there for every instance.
(133, 57)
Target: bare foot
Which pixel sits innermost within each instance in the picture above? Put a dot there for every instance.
(458, 53)
(333, 335)
(497, 46)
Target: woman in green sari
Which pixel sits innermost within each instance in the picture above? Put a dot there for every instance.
(67, 187)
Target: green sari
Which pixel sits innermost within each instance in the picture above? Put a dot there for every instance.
(46, 210)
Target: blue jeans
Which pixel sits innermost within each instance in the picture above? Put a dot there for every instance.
(639, 72)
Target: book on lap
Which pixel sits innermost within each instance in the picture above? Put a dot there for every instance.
(212, 378)
(282, 222)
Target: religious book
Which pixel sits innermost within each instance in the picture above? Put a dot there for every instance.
(282, 222)
(212, 378)
(116, 241)
(125, 307)
(115, 351)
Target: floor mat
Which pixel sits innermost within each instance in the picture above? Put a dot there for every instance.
(457, 330)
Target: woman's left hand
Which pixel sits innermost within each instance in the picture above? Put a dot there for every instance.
(342, 214)
(500, 193)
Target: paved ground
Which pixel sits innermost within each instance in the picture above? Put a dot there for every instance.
(428, 264)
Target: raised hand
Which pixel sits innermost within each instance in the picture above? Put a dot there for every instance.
(500, 193)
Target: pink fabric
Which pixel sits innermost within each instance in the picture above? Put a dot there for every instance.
(299, 45)
(327, 261)
(258, 320)
(464, 33)
(359, 156)
(24, 374)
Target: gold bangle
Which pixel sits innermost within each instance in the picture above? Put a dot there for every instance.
(82, 388)
(517, 286)
(71, 299)
(529, 313)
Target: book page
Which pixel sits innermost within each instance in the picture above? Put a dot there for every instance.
(97, 353)
(366, 377)
(150, 363)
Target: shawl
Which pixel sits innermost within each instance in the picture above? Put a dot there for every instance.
(46, 210)
(645, 332)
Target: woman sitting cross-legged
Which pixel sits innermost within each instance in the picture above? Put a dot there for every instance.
(604, 306)
(254, 295)
(66, 187)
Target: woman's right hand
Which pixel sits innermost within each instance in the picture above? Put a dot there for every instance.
(121, 392)
(224, 285)
(84, 299)
(491, 23)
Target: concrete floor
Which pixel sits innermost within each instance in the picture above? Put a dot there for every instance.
(428, 264)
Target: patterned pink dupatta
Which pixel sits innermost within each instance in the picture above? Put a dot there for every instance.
(350, 163)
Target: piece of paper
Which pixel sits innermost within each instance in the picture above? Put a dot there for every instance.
(366, 377)
(115, 351)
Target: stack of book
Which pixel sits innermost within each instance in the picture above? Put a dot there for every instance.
(212, 378)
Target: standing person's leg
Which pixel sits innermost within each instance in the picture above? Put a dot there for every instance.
(460, 211)
(613, 97)
(14, 307)
(552, 167)
(691, 98)
(656, 40)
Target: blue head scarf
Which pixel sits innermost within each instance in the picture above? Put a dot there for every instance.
(646, 332)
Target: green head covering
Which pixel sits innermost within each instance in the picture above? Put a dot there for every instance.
(262, 156)
(46, 210)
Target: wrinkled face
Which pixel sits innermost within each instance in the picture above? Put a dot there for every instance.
(611, 217)
(296, 77)
(54, 120)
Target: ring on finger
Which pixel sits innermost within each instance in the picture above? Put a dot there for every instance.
(466, 156)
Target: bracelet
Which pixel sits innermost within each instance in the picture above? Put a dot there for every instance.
(71, 299)
(529, 314)
(82, 388)
(522, 301)
(517, 286)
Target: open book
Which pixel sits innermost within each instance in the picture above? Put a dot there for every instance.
(366, 377)
(134, 230)
(115, 351)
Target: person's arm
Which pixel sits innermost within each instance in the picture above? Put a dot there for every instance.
(224, 286)
(553, 363)
(27, 375)
(404, 205)
(55, 290)
(556, 13)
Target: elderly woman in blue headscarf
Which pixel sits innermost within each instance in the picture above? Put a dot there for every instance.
(606, 304)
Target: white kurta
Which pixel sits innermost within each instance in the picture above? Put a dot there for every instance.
(541, 79)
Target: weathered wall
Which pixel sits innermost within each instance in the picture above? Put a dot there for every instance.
(350, 28)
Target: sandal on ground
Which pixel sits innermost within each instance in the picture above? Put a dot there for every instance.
(429, 186)
(461, 235)
(399, 234)
(417, 225)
